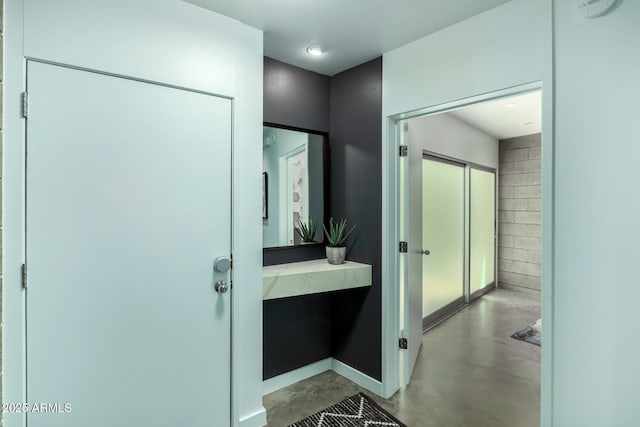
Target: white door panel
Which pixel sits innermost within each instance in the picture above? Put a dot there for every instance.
(128, 204)
(413, 284)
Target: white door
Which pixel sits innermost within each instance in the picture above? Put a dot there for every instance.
(127, 206)
(412, 300)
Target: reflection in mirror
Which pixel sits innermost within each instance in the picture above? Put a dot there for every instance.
(293, 184)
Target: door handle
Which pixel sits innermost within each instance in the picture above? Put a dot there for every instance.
(424, 252)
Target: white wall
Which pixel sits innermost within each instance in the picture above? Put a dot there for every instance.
(500, 49)
(447, 135)
(597, 217)
(166, 41)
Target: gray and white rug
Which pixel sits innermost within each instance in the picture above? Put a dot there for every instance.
(355, 411)
(531, 334)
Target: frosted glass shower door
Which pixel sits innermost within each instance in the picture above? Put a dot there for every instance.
(482, 259)
(443, 199)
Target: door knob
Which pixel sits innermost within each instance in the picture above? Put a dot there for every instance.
(221, 287)
(222, 264)
(425, 252)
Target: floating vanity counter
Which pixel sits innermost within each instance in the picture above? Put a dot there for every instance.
(312, 277)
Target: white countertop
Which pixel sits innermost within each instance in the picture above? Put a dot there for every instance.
(312, 277)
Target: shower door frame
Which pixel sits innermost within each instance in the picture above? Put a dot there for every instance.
(440, 315)
(470, 297)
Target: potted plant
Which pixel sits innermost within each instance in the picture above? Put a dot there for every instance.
(307, 230)
(336, 236)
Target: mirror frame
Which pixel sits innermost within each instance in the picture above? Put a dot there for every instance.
(326, 194)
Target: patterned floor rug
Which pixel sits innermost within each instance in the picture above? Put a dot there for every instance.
(531, 334)
(355, 411)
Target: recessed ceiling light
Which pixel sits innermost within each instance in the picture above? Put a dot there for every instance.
(512, 105)
(314, 50)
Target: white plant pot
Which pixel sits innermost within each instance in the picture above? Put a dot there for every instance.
(336, 255)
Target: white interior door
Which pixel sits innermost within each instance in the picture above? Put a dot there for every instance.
(412, 295)
(128, 204)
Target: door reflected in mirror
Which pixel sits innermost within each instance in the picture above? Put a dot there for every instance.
(293, 187)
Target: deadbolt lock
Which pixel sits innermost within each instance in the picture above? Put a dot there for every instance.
(221, 287)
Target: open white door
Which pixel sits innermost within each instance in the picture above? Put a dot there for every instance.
(128, 205)
(412, 298)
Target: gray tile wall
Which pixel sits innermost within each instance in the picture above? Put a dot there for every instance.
(519, 213)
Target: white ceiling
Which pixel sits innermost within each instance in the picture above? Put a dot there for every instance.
(502, 119)
(351, 31)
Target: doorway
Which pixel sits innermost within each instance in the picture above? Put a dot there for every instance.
(123, 301)
(476, 151)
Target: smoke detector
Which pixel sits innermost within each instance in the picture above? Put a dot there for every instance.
(594, 8)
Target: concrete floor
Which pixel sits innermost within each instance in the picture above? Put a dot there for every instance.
(469, 373)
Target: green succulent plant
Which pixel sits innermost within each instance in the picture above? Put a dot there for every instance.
(337, 233)
(307, 230)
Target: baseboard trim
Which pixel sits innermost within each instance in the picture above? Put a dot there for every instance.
(328, 364)
(257, 419)
(483, 291)
(292, 377)
(518, 288)
(352, 374)
(442, 314)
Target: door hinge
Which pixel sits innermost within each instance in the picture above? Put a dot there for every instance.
(403, 343)
(25, 104)
(24, 276)
(403, 151)
(404, 247)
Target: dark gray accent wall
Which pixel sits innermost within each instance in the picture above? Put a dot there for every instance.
(295, 97)
(356, 193)
(296, 331)
(274, 256)
(346, 324)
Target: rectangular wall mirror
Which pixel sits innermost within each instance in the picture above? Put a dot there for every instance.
(293, 184)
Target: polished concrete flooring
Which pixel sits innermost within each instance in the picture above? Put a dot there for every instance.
(469, 373)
